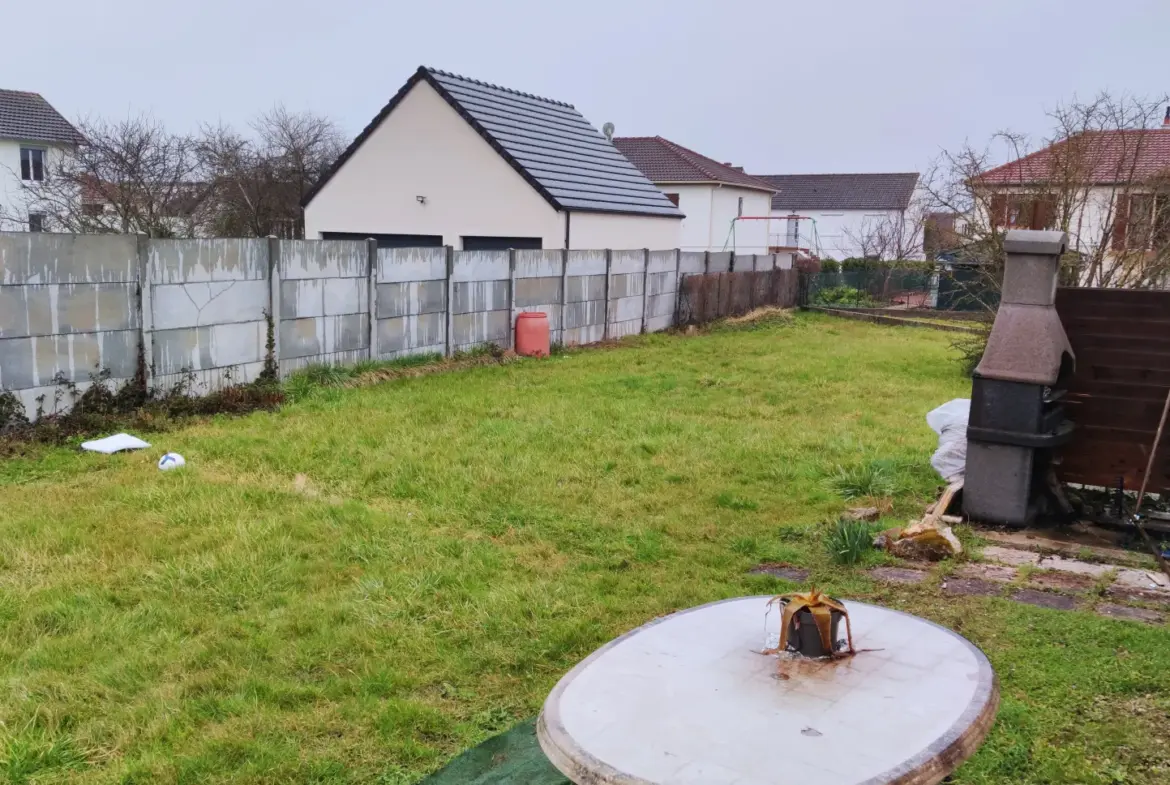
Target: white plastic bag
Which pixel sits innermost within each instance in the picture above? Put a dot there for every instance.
(115, 443)
(949, 421)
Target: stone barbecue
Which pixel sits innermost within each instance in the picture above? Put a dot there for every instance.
(1017, 415)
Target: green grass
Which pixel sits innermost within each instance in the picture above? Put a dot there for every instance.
(849, 541)
(873, 478)
(359, 586)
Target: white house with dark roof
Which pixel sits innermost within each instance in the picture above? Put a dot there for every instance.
(454, 161)
(33, 136)
(722, 204)
(829, 214)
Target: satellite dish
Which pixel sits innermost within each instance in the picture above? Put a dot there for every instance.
(607, 129)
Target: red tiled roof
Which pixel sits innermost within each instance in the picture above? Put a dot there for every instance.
(663, 161)
(1108, 157)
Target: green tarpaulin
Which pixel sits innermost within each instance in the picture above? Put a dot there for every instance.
(512, 758)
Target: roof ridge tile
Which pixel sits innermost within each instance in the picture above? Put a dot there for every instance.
(501, 88)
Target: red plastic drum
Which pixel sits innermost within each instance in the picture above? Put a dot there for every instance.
(532, 334)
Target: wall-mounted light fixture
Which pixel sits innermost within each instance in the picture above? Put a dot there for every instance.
(421, 199)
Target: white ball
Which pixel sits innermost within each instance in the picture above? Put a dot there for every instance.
(172, 460)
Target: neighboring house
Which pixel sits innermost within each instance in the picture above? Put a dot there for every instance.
(454, 161)
(711, 194)
(833, 215)
(944, 232)
(1110, 190)
(33, 137)
(157, 209)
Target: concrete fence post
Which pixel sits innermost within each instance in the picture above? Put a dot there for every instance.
(511, 299)
(564, 290)
(605, 317)
(274, 300)
(145, 313)
(677, 284)
(731, 263)
(645, 285)
(447, 345)
(753, 282)
(372, 298)
(706, 288)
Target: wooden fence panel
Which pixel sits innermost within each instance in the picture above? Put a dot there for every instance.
(1122, 341)
(704, 298)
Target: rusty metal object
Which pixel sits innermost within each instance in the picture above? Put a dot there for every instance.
(821, 607)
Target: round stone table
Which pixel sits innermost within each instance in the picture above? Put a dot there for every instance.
(689, 700)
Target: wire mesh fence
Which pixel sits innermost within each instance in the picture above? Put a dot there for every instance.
(704, 298)
(912, 288)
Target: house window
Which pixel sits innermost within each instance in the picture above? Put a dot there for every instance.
(36, 222)
(792, 236)
(673, 198)
(1148, 222)
(92, 209)
(32, 164)
(740, 213)
(1013, 211)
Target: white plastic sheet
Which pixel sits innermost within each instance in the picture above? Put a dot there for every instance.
(112, 444)
(949, 421)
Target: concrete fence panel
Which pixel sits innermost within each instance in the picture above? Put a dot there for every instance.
(68, 309)
(324, 307)
(586, 263)
(411, 302)
(625, 262)
(323, 259)
(411, 264)
(720, 262)
(72, 305)
(195, 261)
(539, 264)
(38, 258)
(540, 283)
(206, 302)
(692, 262)
(480, 266)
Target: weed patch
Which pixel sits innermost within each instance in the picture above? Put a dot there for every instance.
(849, 541)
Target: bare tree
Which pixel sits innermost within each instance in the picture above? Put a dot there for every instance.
(893, 237)
(1091, 177)
(130, 175)
(260, 179)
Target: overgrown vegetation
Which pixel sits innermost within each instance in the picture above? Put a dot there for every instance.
(843, 295)
(363, 583)
(105, 406)
(969, 347)
(849, 541)
(873, 479)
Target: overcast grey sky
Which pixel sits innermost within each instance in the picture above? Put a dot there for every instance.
(775, 85)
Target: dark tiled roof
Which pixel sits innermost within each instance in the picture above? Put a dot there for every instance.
(842, 191)
(548, 142)
(30, 117)
(663, 161)
(1107, 157)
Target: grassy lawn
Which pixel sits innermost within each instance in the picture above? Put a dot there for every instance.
(363, 584)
